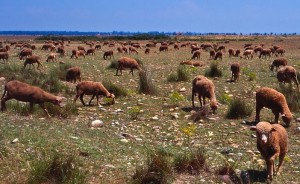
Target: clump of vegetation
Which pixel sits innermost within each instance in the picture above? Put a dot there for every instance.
(134, 112)
(251, 75)
(292, 97)
(213, 70)
(113, 64)
(225, 98)
(157, 169)
(176, 97)
(63, 112)
(146, 85)
(182, 74)
(57, 168)
(117, 90)
(238, 108)
(191, 162)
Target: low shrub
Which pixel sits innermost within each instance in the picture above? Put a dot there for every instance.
(238, 108)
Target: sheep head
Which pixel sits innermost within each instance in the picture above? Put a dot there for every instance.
(286, 118)
(263, 131)
(112, 96)
(214, 105)
(59, 101)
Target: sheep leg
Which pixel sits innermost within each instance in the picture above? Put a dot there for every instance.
(193, 98)
(281, 158)
(81, 99)
(199, 97)
(93, 98)
(276, 117)
(3, 105)
(258, 109)
(131, 71)
(43, 107)
(270, 169)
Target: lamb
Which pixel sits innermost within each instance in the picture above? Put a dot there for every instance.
(274, 100)
(218, 55)
(237, 53)
(272, 142)
(196, 55)
(33, 59)
(205, 89)
(73, 74)
(126, 62)
(287, 74)
(27, 93)
(277, 63)
(51, 56)
(108, 54)
(92, 88)
(163, 48)
(4, 56)
(235, 71)
(231, 52)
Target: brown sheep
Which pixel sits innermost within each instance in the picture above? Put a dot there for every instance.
(119, 49)
(81, 48)
(33, 59)
(194, 49)
(218, 55)
(25, 53)
(212, 54)
(176, 46)
(280, 51)
(196, 55)
(264, 53)
(147, 50)
(231, 52)
(277, 63)
(98, 47)
(272, 142)
(205, 89)
(247, 45)
(107, 54)
(221, 48)
(248, 54)
(77, 53)
(73, 74)
(52, 57)
(237, 53)
(133, 50)
(235, 71)
(92, 88)
(90, 51)
(27, 93)
(125, 49)
(4, 56)
(126, 62)
(287, 74)
(61, 50)
(258, 49)
(163, 48)
(274, 100)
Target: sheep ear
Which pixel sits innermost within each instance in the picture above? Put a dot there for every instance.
(253, 128)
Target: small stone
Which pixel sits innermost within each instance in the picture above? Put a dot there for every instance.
(15, 141)
(182, 89)
(154, 118)
(298, 129)
(97, 123)
(124, 140)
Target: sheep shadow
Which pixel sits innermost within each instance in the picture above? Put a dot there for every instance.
(189, 109)
(251, 176)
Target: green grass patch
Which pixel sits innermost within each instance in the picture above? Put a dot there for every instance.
(238, 108)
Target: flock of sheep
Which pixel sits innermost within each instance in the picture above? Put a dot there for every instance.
(272, 140)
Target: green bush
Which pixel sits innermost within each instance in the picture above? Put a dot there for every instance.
(238, 109)
(213, 70)
(117, 90)
(292, 97)
(146, 85)
(182, 74)
(176, 97)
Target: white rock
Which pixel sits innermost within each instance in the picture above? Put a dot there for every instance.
(97, 123)
(124, 140)
(15, 140)
(155, 118)
(182, 89)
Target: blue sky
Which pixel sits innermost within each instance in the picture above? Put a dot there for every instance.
(221, 16)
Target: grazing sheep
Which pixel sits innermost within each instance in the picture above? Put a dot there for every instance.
(231, 52)
(73, 74)
(133, 50)
(27, 93)
(205, 89)
(274, 100)
(77, 53)
(258, 49)
(126, 62)
(163, 48)
(196, 55)
(61, 50)
(206, 46)
(119, 49)
(176, 46)
(264, 53)
(248, 54)
(51, 56)
(221, 48)
(147, 50)
(235, 71)
(277, 63)
(33, 59)
(4, 56)
(237, 53)
(287, 74)
(280, 51)
(194, 49)
(272, 142)
(25, 53)
(247, 45)
(92, 88)
(98, 46)
(212, 54)
(108, 54)
(81, 48)
(125, 49)
(90, 51)
(193, 63)
(218, 55)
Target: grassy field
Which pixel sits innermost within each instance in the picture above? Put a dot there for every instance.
(140, 125)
